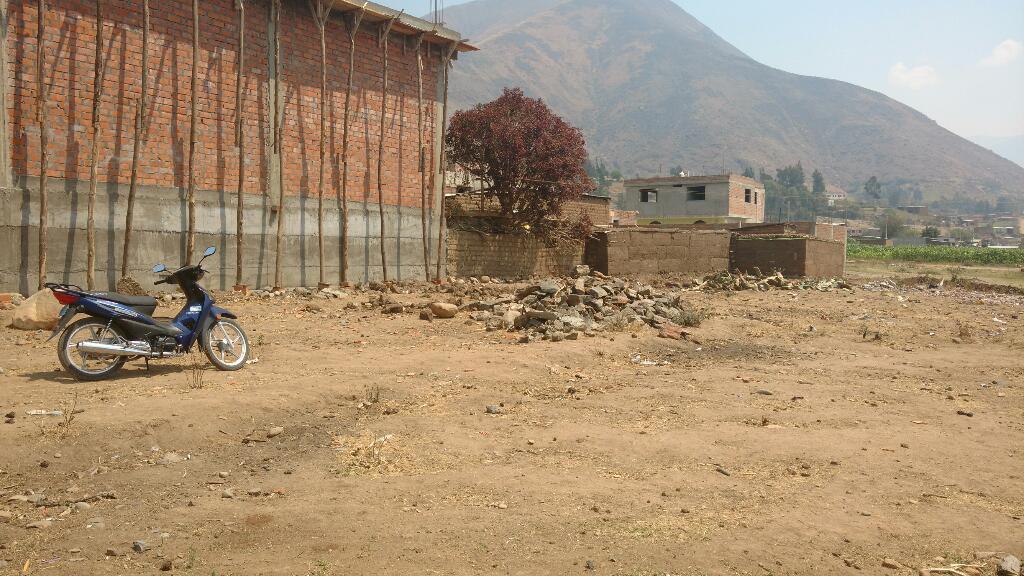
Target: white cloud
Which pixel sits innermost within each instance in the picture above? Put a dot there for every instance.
(1006, 52)
(914, 78)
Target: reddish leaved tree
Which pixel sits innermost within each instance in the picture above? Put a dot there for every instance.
(526, 158)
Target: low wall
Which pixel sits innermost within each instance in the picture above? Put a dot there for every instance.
(506, 256)
(651, 251)
(793, 256)
(160, 216)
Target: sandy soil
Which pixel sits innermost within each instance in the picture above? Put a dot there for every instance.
(806, 433)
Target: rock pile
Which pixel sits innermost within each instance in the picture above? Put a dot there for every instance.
(728, 282)
(562, 309)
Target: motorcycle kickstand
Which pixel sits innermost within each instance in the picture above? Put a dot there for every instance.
(147, 364)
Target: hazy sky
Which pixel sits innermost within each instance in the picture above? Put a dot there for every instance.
(961, 62)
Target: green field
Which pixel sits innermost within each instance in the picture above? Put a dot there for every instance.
(938, 255)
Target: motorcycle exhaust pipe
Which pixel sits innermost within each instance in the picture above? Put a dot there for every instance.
(113, 350)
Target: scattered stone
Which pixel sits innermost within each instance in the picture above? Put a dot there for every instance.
(228, 493)
(82, 506)
(444, 310)
(275, 431)
(589, 565)
(166, 566)
(111, 552)
(41, 311)
(493, 409)
(394, 308)
(427, 315)
(40, 524)
(891, 564)
(140, 546)
(171, 458)
(965, 413)
(765, 393)
(1009, 566)
(223, 474)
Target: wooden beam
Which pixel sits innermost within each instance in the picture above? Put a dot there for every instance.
(384, 41)
(190, 240)
(240, 143)
(97, 97)
(445, 65)
(42, 116)
(138, 141)
(321, 12)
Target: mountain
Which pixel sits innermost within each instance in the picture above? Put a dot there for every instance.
(653, 87)
(1009, 147)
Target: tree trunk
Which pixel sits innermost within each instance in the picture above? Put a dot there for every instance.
(138, 142)
(422, 158)
(445, 63)
(384, 42)
(278, 133)
(42, 117)
(190, 240)
(353, 31)
(240, 142)
(321, 12)
(97, 97)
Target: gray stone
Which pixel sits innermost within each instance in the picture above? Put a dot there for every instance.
(549, 287)
(140, 546)
(40, 524)
(1009, 566)
(545, 315)
(275, 431)
(493, 409)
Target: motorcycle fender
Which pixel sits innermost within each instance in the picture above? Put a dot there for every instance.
(66, 314)
(212, 316)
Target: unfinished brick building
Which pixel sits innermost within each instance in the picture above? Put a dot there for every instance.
(280, 109)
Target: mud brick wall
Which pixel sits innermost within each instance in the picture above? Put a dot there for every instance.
(506, 256)
(596, 207)
(651, 251)
(793, 256)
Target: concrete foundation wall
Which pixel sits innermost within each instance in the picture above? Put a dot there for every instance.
(649, 251)
(160, 217)
(505, 256)
(793, 257)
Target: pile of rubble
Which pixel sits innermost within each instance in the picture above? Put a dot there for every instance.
(730, 282)
(562, 309)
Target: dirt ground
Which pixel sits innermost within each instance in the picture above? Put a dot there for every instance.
(806, 433)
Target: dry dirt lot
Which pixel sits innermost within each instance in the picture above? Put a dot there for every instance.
(806, 433)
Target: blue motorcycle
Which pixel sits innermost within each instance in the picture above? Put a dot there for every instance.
(119, 328)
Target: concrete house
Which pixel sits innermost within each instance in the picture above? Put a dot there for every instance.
(719, 199)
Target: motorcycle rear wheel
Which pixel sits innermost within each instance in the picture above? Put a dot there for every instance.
(89, 367)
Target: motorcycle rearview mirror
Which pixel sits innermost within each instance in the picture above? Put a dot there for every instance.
(209, 252)
(159, 268)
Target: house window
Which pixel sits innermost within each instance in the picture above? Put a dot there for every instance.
(649, 195)
(756, 193)
(696, 193)
(748, 195)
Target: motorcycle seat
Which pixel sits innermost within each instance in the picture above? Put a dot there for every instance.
(133, 301)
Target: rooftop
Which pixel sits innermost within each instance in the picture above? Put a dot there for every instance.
(694, 180)
(405, 23)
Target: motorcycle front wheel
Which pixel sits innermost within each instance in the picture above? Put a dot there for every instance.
(89, 367)
(226, 345)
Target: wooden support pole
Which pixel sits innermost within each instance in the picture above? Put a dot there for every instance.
(42, 117)
(138, 142)
(352, 23)
(321, 13)
(418, 47)
(385, 41)
(445, 64)
(190, 240)
(97, 97)
(240, 143)
(278, 134)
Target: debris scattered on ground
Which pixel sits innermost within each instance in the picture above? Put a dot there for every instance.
(727, 281)
(560, 309)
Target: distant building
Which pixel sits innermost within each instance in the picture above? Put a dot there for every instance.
(916, 210)
(720, 199)
(624, 218)
(834, 194)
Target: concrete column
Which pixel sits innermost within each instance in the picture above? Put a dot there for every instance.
(5, 135)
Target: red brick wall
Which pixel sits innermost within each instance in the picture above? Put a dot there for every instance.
(738, 206)
(69, 50)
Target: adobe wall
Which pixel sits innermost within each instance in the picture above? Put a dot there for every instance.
(506, 256)
(650, 251)
(792, 256)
